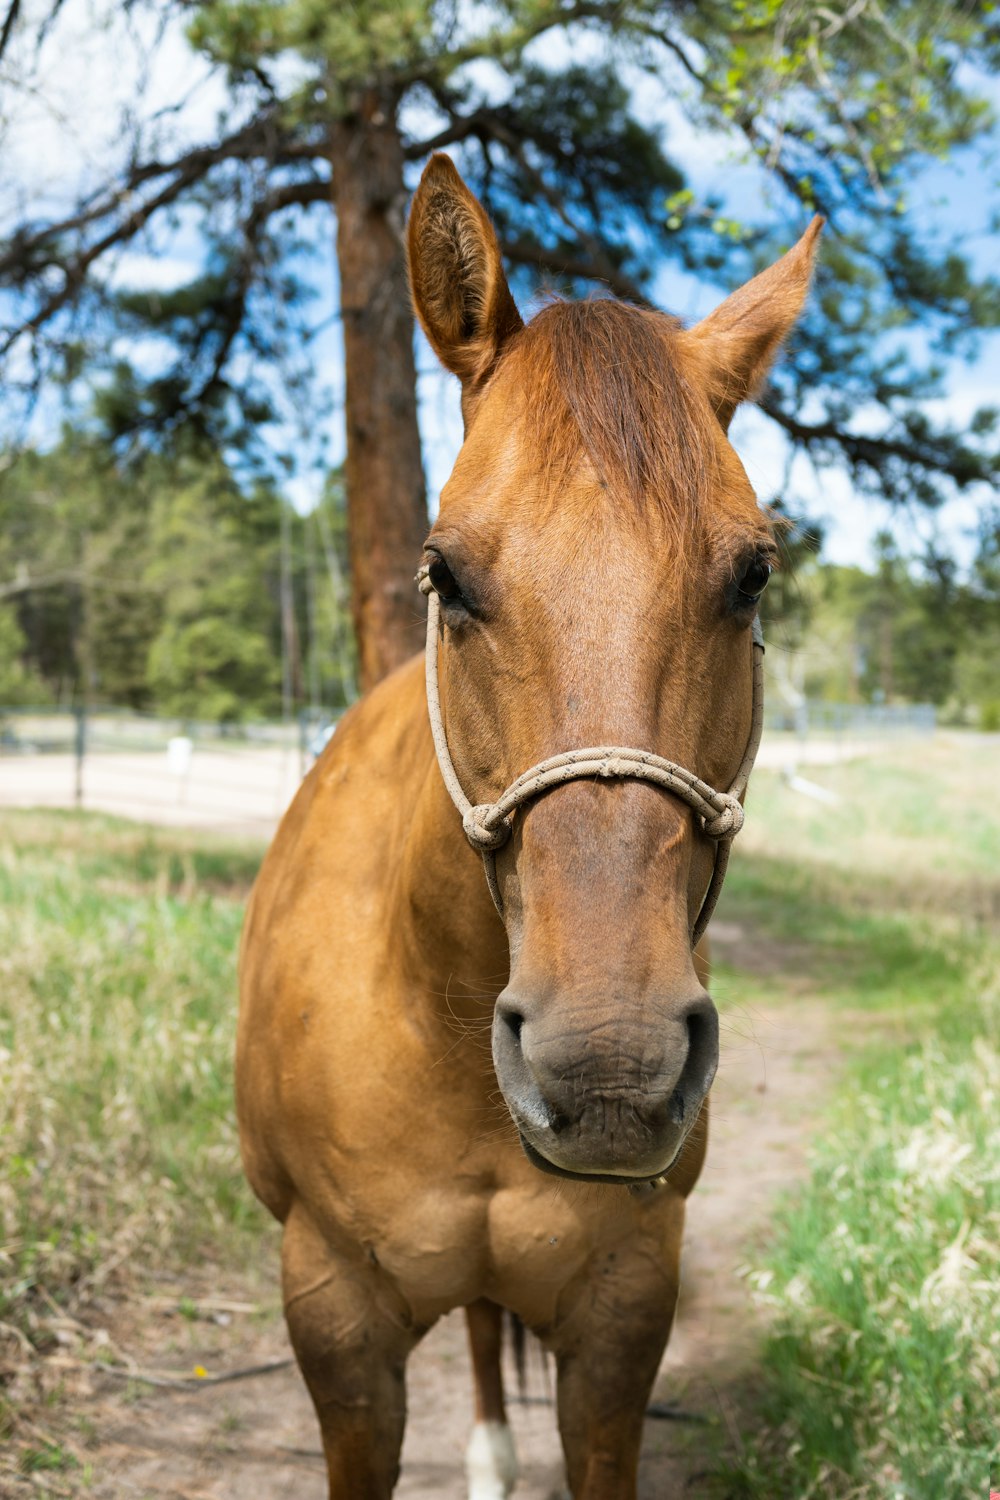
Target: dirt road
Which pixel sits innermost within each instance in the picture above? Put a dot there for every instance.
(257, 1437)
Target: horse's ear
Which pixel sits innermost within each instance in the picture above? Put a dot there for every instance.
(735, 345)
(459, 288)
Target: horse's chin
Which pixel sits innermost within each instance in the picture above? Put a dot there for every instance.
(615, 1179)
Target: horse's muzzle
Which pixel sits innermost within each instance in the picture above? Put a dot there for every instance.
(614, 1103)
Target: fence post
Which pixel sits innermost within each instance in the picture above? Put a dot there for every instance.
(80, 714)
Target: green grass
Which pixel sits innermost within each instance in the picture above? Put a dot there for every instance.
(881, 1287)
(915, 830)
(884, 1361)
(118, 1146)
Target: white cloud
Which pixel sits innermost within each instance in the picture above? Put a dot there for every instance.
(157, 273)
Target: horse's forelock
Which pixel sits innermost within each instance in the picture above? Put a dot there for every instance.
(608, 377)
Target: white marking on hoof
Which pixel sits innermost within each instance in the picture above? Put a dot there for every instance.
(490, 1462)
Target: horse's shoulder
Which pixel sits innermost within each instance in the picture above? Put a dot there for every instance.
(323, 879)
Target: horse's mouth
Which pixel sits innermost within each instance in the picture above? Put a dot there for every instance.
(614, 1179)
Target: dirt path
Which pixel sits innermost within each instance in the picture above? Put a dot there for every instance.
(257, 1439)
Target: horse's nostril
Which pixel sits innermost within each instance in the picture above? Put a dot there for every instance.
(703, 1050)
(514, 1021)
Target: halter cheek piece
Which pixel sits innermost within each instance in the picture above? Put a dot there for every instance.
(488, 826)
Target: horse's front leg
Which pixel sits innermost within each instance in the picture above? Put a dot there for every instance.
(608, 1350)
(351, 1337)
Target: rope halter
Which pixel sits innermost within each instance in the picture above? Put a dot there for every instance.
(488, 825)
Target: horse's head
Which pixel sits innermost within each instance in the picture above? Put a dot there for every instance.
(598, 557)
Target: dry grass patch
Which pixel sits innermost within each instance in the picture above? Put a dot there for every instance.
(118, 1147)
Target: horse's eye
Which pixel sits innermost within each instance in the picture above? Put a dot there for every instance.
(754, 580)
(443, 579)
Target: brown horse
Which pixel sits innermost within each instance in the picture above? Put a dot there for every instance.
(596, 564)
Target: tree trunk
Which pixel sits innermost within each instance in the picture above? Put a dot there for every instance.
(386, 505)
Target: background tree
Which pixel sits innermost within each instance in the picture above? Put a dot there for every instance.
(907, 632)
(547, 104)
(18, 684)
(159, 584)
(977, 659)
(163, 583)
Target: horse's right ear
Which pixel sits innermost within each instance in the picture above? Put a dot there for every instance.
(736, 344)
(459, 288)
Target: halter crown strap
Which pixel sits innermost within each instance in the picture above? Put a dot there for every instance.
(488, 825)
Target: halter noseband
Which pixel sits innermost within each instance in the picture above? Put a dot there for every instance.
(488, 825)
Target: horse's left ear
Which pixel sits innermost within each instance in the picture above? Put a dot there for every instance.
(735, 346)
(457, 278)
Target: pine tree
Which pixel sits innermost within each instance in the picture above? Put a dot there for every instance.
(836, 106)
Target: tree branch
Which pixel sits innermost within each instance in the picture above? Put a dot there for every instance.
(28, 584)
(295, 195)
(498, 44)
(292, 194)
(863, 449)
(261, 138)
(187, 170)
(460, 129)
(76, 272)
(9, 22)
(527, 253)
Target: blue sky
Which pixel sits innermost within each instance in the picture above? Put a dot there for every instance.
(65, 134)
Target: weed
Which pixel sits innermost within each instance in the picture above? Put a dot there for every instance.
(48, 1456)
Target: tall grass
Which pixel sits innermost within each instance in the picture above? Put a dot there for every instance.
(882, 1283)
(118, 1148)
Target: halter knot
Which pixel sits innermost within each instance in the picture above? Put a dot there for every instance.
(479, 833)
(727, 824)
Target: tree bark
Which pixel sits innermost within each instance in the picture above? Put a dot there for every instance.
(384, 479)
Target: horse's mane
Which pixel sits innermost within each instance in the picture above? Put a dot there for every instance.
(609, 376)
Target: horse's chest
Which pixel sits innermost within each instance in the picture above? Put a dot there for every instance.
(519, 1246)
(538, 1242)
(432, 1249)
